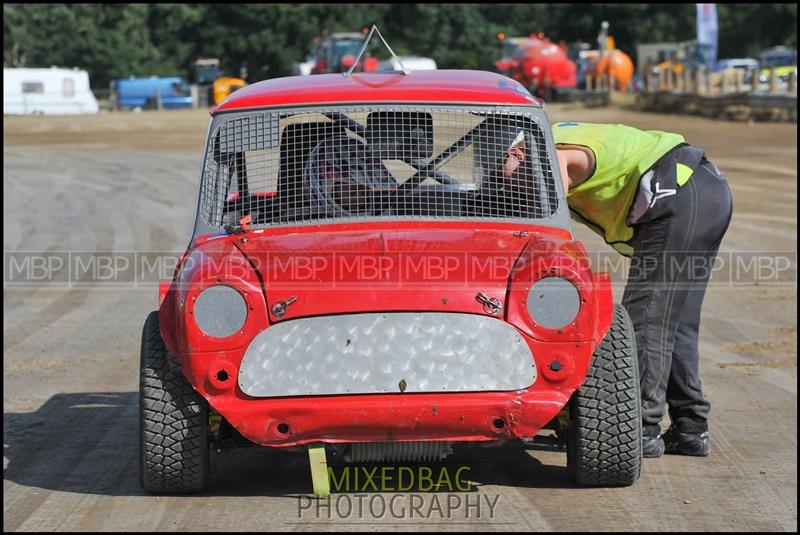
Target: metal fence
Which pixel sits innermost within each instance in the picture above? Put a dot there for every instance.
(732, 94)
(732, 81)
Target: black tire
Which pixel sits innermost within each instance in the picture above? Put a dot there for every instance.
(604, 442)
(173, 421)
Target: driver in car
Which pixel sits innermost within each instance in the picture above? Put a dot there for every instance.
(514, 156)
(344, 178)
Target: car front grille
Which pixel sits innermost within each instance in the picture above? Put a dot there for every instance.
(386, 353)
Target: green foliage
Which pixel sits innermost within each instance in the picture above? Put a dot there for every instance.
(747, 29)
(120, 40)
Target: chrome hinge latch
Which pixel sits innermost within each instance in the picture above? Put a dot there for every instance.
(492, 305)
(279, 308)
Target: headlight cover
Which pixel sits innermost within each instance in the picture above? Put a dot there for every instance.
(554, 302)
(220, 311)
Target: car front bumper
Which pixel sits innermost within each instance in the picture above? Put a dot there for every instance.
(479, 416)
(507, 392)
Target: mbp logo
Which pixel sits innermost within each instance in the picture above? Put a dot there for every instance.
(39, 268)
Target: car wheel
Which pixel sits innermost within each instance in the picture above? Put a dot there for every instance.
(604, 442)
(173, 418)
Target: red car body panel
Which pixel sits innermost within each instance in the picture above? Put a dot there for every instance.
(523, 254)
(385, 268)
(446, 86)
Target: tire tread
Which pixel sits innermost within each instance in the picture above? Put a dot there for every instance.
(173, 421)
(605, 437)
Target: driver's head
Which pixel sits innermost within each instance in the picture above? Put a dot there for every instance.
(343, 177)
(502, 150)
(514, 155)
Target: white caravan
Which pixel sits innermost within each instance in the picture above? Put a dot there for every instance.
(47, 91)
(412, 63)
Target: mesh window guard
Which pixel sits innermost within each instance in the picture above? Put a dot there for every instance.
(376, 162)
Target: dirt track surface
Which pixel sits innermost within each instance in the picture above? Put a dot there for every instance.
(128, 182)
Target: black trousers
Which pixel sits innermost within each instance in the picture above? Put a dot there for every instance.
(669, 272)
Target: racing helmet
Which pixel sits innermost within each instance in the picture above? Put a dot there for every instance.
(344, 178)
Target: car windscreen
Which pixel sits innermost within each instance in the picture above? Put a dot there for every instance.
(782, 58)
(370, 162)
(507, 49)
(181, 89)
(345, 47)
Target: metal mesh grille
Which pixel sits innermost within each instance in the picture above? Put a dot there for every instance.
(220, 311)
(378, 352)
(366, 162)
(394, 452)
(554, 302)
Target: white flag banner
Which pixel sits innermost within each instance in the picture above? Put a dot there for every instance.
(707, 31)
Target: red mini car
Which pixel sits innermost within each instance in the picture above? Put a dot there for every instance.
(382, 265)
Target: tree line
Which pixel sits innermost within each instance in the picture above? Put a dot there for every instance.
(120, 40)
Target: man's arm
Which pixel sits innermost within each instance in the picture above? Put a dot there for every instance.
(563, 156)
(576, 164)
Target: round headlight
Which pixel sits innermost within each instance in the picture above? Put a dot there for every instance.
(220, 311)
(554, 302)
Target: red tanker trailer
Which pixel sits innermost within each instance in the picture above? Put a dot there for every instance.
(542, 66)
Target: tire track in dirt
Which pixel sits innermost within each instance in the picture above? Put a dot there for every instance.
(46, 448)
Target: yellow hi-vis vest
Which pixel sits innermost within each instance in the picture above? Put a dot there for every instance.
(622, 155)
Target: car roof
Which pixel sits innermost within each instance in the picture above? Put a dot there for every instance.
(440, 86)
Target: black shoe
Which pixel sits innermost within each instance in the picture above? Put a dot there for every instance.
(687, 437)
(652, 444)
